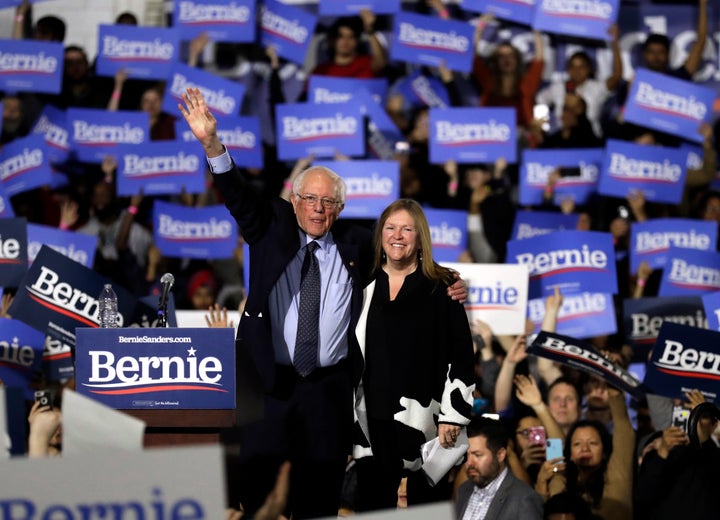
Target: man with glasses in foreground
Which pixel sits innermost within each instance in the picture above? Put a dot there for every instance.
(306, 285)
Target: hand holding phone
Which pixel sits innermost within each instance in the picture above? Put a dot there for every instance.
(554, 449)
(44, 397)
(536, 435)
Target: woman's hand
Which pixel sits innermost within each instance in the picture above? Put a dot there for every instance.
(448, 434)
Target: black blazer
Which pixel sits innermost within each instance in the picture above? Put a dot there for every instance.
(271, 230)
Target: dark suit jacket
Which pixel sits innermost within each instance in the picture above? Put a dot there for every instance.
(514, 500)
(271, 230)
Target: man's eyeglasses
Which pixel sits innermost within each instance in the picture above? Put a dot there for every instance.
(326, 202)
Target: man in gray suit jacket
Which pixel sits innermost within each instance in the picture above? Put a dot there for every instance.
(492, 492)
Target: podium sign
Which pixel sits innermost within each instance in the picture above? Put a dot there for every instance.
(163, 368)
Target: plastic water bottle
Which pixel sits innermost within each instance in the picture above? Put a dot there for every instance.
(108, 307)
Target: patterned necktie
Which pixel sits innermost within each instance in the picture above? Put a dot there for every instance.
(306, 343)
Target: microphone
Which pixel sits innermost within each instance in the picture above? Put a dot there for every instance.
(167, 281)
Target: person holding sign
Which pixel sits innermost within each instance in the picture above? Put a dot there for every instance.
(306, 277)
(598, 467)
(417, 362)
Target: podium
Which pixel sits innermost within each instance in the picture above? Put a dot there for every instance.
(174, 427)
(179, 381)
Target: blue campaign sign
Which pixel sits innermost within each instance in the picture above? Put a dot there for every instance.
(223, 96)
(203, 233)
(305, 129)
(651, 240)
(470, 135)
(429, 40)
(76, 246)
(711, 305)
(6, 209)
(13, 251)
(689, 271)
(95, 134)
(240, 135)
(582, 166)
(286, 28)
(371, 186)
(643, 318)
(658, 171)
(684, 358)
(52, 123)
(382, 135)
(532, 223)
(584, 18)
(346, 7)
(583, 315)
(419, 89)
(160, 368)
(31, 66)
(58, 294)
(668, 104)
(58, 359)
(520, 11)
(24, 165)
(448, 233)
(328, 89)
(583, 356)
(143, 52)
(160, 168)
(574, 261)
(222, 21)
(21, 350)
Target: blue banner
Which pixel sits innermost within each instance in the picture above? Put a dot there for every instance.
(21, 349)
(429, 40)
(240, 135)
(6, 209)
(24, 165)
(160, 168)
(684, 358)
(470, 135)
(204, 233)
(583, 356)
(651, 240)
(583, 315)
(286, 28)
(223, 96)
(31, 66)
(584, 18)
(52, 124)
(13, 251)
(448, 233)
(58, 294)
(76, 246)
(161, 368)
(143, 52)
(659, 172)
(689, 271)
(95, 134)
(371, 186)
(222, 21)
(520, 11)
(382, 133)
(669, 105)
(711, 306)
(346, 7)
(574, 261)
(532, 223)
(328, 89)
(305, 129)
(419, 89)
(581, 164)
(643, 318)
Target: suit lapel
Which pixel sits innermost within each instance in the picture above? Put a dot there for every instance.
(498, 501)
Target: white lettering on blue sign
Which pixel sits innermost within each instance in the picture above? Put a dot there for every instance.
(446, 41)
(237, 138)
(563, 259)
(646, 326)
(645, 241)
(307, 128)
(279, 26)
(115, 48)
(19, 63)
(445, 235)
(675, 356)
(682, 273)
(108, 372)
(375, 185)
(22, 162)
(656, 99)
(171, 228)
(86, 133)
(136, 165)
(190, 12)
(70, 251)
(460, 133)
(214, 98)
(627, 168)
(578, 8)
